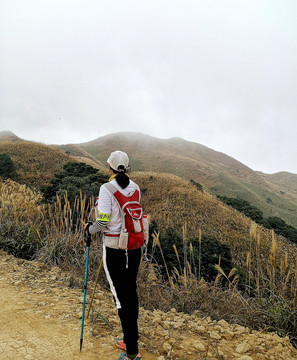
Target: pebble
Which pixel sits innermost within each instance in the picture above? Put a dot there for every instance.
(199, 346)
(243, 347)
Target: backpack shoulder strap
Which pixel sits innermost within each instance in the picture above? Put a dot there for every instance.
(120, 198)
(111, 188)
(138, 189)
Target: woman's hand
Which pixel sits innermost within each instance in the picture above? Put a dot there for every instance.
(86, 229)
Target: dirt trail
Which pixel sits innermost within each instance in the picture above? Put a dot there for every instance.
(41, 319)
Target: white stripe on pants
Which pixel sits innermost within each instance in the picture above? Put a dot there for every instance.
(112, 288)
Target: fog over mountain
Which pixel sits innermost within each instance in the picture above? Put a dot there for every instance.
(218, 73)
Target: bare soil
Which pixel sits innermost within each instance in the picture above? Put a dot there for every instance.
(41, 319)
(41, 316)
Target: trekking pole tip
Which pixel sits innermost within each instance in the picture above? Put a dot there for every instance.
(81, 341)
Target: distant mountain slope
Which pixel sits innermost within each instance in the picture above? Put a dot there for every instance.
(35, 163)
(8, 136)
(82, 155)
(218, 173)
(284, 182)
(174, 202)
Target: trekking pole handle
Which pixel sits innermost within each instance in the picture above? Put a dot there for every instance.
(88, 239)
(87, 233)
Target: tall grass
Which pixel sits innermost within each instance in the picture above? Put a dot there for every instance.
(268, 300)
(64, 239)
(54, 235)
(21, 219)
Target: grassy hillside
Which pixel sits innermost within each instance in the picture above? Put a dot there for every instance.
(218, 173)
(267, 262)
(284, 182)
(174, 202)
(8, 136)
(35, 163)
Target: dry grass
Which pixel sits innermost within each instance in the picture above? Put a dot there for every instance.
(19, 210)
(35, 163)
(53, 234)
(269, 301)
(172, 202)
(269, 263)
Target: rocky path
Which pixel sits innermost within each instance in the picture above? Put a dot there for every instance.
(41, 318)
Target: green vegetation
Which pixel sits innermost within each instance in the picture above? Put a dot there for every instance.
(272, 222)
(203, 254)
(281, 227)
(198, 186)
(75, 178)
(7, 168)
(260, 196)
(245, 207)
(272, 203)
(27, 245)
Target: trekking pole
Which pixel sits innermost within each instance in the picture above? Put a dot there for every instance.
(93, 293)
(85, 290)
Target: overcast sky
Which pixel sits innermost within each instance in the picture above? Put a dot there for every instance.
(222, 73)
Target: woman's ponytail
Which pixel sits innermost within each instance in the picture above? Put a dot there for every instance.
(121, 177)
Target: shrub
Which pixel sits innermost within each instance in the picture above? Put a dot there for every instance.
(281, 227)
(7, 168)
(243, 206)
(213, 252)
(198, 186)
(203, 256)
(75, 178)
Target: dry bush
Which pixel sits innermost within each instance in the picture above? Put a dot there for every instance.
(64, 239)
(21, 219)
(53, 235)
(269, 301)
(185, 292)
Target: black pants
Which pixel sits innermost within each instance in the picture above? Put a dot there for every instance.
(122, 281)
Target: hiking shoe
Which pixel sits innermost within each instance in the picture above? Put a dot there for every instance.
(123, 356)
(120, 344)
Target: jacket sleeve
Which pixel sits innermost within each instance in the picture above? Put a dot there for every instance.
(103, 211)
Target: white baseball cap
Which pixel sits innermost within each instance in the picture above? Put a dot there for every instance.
(118, 158)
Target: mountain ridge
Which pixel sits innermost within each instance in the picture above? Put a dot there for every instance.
(218, 173)
(9, 135)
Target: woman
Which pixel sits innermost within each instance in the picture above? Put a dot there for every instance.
(120, 275)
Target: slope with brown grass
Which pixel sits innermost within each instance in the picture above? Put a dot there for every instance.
(268, 262)
(172, 202)
(219, 173)
(35, 163)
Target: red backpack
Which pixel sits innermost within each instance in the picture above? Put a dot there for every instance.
(132, 232)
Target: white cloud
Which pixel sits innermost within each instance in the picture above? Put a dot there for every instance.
(222, 73)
